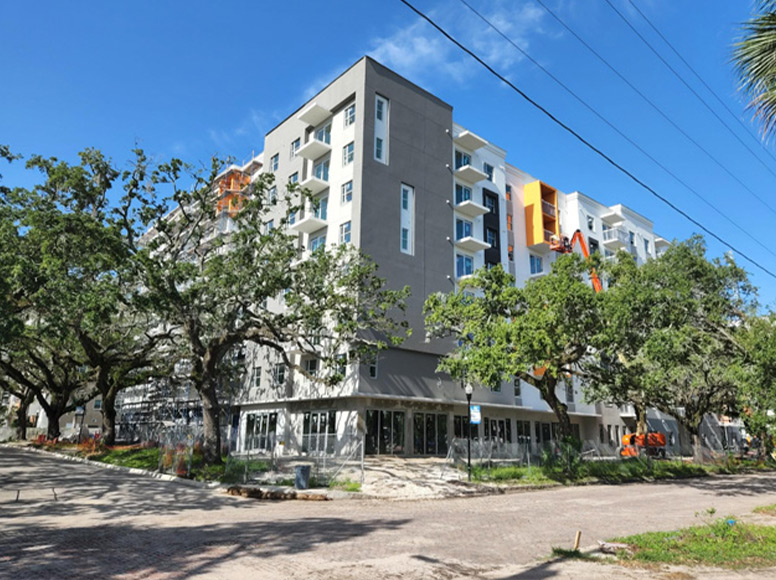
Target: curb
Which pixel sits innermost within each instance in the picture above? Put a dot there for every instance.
(120, 468)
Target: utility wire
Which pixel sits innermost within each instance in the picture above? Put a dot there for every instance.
(743, 125)
(581, 139)
(618, 131)
(692, 90)
(655, 107)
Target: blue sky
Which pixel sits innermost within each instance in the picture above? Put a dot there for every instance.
(195, 78)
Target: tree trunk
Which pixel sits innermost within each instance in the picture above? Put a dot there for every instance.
(53, 417)
(558, 407)
(21, 415)
(211, 448)
(641, 419)
(109, 418)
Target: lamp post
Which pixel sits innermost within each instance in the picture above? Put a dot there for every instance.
(468, 390)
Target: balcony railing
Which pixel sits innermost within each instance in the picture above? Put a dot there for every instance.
(616, 236)
(548, 236)
(548, 208)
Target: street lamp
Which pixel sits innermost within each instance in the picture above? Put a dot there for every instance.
(468, 390)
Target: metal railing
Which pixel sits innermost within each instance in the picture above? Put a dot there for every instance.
(616, 234)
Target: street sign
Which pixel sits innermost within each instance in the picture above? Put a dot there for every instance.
(476, 415)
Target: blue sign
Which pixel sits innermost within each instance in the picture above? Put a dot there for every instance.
(476, 414)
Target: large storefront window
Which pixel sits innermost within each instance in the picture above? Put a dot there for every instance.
(461, 427)
(384, 432)
(430, 434)
(498, 430)
(260, 431)
(319, 432)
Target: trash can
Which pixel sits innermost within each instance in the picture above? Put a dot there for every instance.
(302, 479)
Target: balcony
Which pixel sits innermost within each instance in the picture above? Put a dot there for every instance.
(661, 244)
(612, 219)
(616, 238)
(307, 222)
(548, 209)
(315, 184)
(471, 244)
(470, 141)
(627, 411)
(471, 208)
(314, 115)
(314, 149)
(469, 174)
(548, 236)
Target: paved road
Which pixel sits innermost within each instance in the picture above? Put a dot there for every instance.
(108, 524)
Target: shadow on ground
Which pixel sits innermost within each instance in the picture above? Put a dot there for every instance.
(32, 551)
(49, 486)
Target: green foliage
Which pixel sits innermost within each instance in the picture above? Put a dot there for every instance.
(724, 543)
(505, 332)
(139, 457)
(755, 65)
(346, 485)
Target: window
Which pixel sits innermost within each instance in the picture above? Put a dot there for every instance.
(342, 364)
(279, 374)
(269, 226)
(324, 134)
(632, 238)
(256, 376)
(318, 242)
(347, 192)
(464, 265)
(591, 223)
(509, 222)
(646, 247)
(292, 218)
(487, 168)
(462, 159)
(350, 115)
(407, 219)
(509, 192)
(295, 144)
(311, 366)
(97, 404)
(370, 359)
(294, 178)
(463, 229)
(272, 195)
(344, 233)
(322, 208)
(491, 236)
(378, 148)
(536, 265)
(319, 432)
(511, 252)
(321, 170)
(569, 393)
(384, 432)
(496, 387)
(594, 246)
(462, 193)
(260, 431)
(381, 129)
(348, 153)
(273, 162)
(518, 389)
(491, 203)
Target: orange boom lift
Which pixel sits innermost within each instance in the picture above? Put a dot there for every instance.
(565, 246)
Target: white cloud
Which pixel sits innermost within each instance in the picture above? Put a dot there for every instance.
(420, 53)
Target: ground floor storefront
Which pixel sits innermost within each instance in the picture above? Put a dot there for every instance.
(403, 427)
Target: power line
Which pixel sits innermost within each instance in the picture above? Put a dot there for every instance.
(618, 131)
(584, 141)
(689, 88)
(746, 128)
(655, 107)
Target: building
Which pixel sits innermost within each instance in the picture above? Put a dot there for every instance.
(430, 202)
